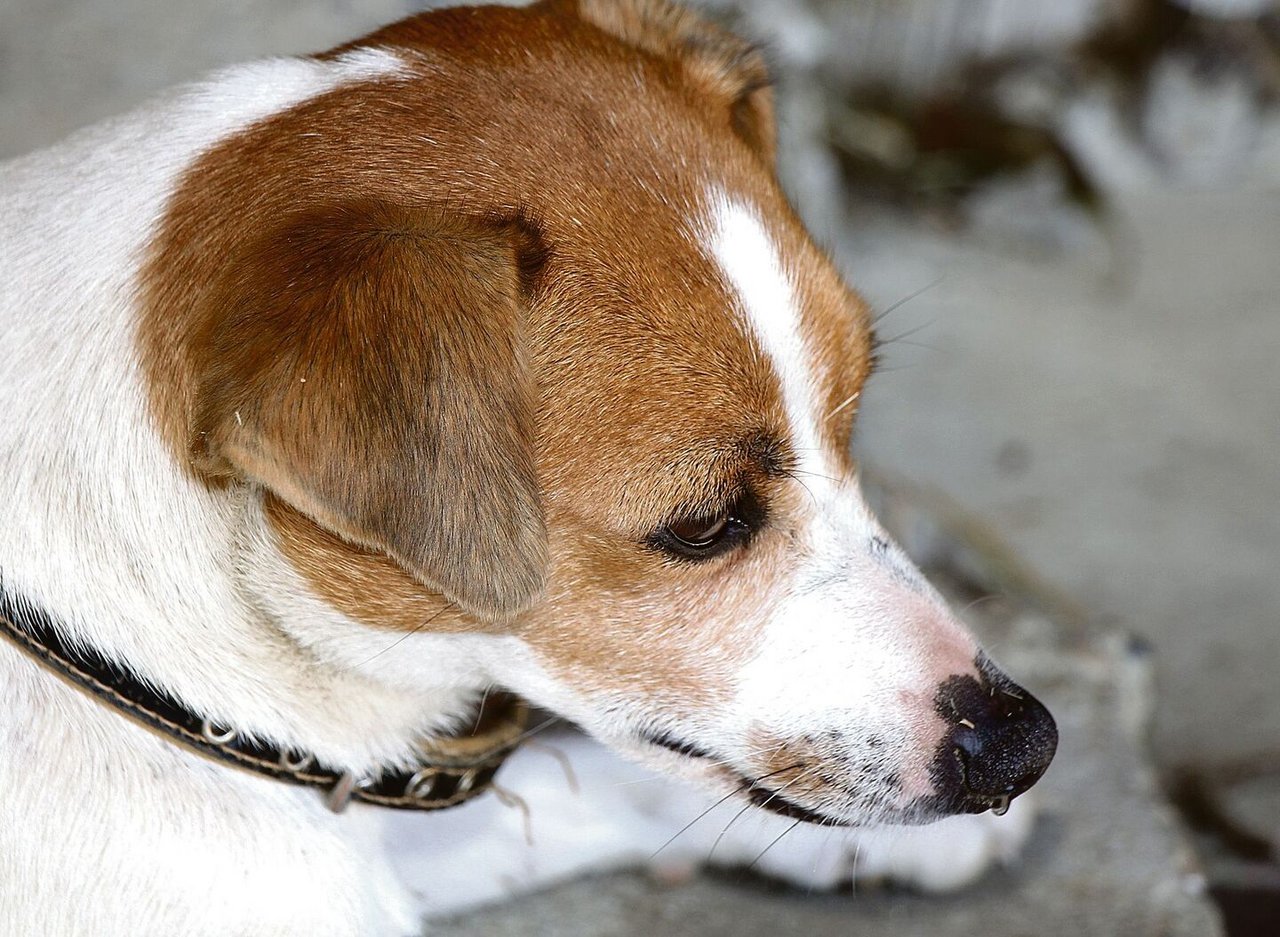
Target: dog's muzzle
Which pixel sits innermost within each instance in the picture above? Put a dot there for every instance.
(1000, 742)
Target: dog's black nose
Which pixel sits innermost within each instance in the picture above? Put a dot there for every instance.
(1001, 741)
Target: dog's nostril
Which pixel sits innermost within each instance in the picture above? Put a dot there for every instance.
(1001, 742)
(968, 740)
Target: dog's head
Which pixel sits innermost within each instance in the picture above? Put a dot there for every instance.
(526, 341)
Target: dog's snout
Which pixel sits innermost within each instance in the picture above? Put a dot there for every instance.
(1001, 741)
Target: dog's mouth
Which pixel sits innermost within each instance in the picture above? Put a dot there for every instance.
(679, 746)
(760, 794)
(775, 800)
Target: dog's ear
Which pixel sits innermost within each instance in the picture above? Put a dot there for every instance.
(368, 365)
(729, 68)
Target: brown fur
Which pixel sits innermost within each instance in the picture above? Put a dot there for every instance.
(518, 129)
(342, 369)
(715, 61)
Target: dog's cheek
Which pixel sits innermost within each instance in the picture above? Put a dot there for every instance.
(661, 642)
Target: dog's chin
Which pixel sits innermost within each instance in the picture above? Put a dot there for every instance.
(699, 765)
(920, 812)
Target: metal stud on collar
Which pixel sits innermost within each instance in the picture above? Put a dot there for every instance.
(422, 783)
(292, 761)
(468, 780)
(214, 735)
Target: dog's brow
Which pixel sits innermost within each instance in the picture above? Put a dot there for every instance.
(714, 478)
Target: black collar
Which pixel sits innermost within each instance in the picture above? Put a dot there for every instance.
(452, 769)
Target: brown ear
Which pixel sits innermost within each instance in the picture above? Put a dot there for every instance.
(731, 69)
(369, 367)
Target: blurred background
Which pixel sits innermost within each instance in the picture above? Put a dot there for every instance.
(1068, 213)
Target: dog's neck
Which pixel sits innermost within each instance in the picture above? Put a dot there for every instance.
(101, 526)
(185, 586)
(148, 567)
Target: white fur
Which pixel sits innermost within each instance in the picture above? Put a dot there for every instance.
(98, 529)
(753, 266)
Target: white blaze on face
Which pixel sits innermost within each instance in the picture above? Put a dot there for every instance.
(766, 298)
(750, 261)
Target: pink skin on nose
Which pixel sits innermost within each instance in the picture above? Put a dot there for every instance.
(943, 648)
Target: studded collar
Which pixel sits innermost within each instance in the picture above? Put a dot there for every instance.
(452, 769)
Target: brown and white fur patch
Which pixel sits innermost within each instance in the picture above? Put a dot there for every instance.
(339, 390)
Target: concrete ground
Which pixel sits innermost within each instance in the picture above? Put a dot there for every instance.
(1114, 417)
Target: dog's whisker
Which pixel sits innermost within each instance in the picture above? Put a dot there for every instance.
(484, 696)
(732, 820)
(774, 774)
(408, 634)
(777, 839)
(892, 307)
(648, 780)
(829, 478)
(799, 481)
(902, 336)
(688, 826)
(852, 398)
(798, 778)
(817, 853)
(906, 341)
(969, 606)
(733, 793)
(534, 730)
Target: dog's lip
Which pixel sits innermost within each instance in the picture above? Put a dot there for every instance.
(775, 802)
(759, 794)
(666, 740)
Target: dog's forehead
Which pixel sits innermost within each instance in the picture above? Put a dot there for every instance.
(675, 261)
(706, 329)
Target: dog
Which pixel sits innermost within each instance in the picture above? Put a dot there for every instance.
(350, 400)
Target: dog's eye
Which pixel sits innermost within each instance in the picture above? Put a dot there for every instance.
(699, 534)
(701, 538)
(698, 538)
